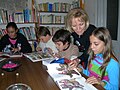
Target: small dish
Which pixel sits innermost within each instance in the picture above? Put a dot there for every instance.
(9, 65)
(19, 86)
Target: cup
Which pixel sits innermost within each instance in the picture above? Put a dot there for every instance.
(18, 86)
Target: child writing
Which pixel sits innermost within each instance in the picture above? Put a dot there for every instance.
(62, 40)
(46, 42)
(14, 41)
(103, 66)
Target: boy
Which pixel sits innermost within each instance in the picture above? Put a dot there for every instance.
(46, 42)
(62, 40)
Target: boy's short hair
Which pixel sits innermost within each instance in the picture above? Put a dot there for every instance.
(62, 35)
(43, 31)
(12, 24)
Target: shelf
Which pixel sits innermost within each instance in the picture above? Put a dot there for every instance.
(27, 24)
(51, 12)
(20, 23)
(52, 23)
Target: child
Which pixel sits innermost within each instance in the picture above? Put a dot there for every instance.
(46, 42)
(14, 41)
(103, 66)
(62, 40)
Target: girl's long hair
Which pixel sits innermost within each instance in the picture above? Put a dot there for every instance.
(103, 34)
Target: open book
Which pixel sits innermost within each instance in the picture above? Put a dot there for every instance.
(1, 59)
(17, 54)
(38, 56)
(68, 80)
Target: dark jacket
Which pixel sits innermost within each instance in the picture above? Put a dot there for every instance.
(21, 41)
(83, 43)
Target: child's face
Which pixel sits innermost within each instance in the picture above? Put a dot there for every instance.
(78, 25)
(12, 32)
(43, 39)
(60, 46)
(96, 45)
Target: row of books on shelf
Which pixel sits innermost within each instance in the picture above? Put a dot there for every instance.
(52, 19)
(33, 45)
(3, 16)
(57, 6)
(76, 3)
(28, 32)
(54, 29)
(60, 6)
(22, 16)
(2, 32)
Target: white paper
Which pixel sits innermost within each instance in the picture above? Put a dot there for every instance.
(55, 72)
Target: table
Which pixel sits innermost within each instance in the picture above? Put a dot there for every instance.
(33, 74)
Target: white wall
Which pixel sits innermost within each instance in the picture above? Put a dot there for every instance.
(91, 10)
(96, 10)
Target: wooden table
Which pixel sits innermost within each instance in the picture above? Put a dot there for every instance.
(32, 74)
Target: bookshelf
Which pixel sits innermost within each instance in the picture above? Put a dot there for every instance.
(52, 14)
(54, 20)
(52, 17)
(23, 13)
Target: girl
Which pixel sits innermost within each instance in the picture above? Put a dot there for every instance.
(14, 41)
(103, 66)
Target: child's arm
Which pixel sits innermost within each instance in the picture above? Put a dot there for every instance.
(113, 74)
(112, 83)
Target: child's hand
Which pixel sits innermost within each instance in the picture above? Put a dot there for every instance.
(14, 50)
(50, 51)
(74, 63)
(93, 80)
(57, 55)
(38, 49)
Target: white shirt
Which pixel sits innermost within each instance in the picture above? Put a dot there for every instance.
(50, 44)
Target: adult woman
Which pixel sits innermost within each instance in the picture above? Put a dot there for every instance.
(78, 22)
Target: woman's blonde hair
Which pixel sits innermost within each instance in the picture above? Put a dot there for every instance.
(76, 13)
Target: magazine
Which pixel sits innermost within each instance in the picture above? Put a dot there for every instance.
(1, 59)
(74, 84)
(17, 54)
(68, 79)
(38, 56)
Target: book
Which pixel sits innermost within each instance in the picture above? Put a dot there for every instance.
(17, 54)
(67, 79)
(38, 56)
(74, 84)
(1, 59)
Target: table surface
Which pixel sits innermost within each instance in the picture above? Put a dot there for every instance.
(33, 74)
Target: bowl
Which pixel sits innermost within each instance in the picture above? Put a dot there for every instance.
(9, 65)
(19, 86)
